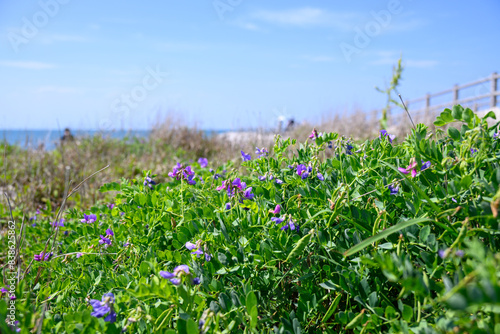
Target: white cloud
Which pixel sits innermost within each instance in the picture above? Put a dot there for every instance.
(248, 26)
(307, 16)
(58, 90)
(318, 59)
(420, 63)
(50, 39)
(391, 58)
(302, 16)
(29, 65)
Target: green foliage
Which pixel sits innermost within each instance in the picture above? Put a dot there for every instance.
(388, 91)
(376, 238)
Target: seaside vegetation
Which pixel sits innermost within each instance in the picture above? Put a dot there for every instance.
(390, 234)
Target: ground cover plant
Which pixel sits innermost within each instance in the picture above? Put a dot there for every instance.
(389, 235)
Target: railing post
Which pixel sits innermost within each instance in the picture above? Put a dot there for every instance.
(455, 95)
(494, 87)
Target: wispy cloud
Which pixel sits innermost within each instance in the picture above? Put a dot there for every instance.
(306, 16)
(421, 63)
(318, 59)
(58, 90)
(248, 26)
(28, 65)
(181, 46)
(391, 58)
(51, 39)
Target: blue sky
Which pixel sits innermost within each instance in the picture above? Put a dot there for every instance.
(228, 64)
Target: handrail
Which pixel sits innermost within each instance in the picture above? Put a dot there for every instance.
(492, 95)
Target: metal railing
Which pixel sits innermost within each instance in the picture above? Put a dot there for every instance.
(478, 96)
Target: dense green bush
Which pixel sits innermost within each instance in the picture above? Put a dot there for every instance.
(326, 236)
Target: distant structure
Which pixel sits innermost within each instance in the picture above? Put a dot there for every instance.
(480, 96)
(67, 136)
(290, 125)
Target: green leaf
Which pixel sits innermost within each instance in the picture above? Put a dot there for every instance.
(424, 233)
(251, 300)
(407, 313)
(365, 243)
(456, 112)
(332, 308)
(466, 181)
(192, 328)
(490, 114)
(253, 316)
(454, 133)
(299, 247)
(468, 116)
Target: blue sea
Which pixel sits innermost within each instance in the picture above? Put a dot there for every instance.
(48, 139)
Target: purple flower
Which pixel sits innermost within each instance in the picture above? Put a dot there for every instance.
(3, 290)
(304, 175)
(496, 135)
(459, 253)
(262, 178)
(190, 245)
(277, 220)
(109, 232)
(442, 253)
(111, 206)
(289, 225)
(278, 181)
(240, 185)
(89, 219)
(411, 168)
(383, 134)
(321, 177)
(330, 145)
(245, 157)
(261, 152)
(473, 151)
(393, 189)
(175, 276)
(208, 257)
(103, 307)
(248, 193)
(277, 209)
(78, 255)
(314, 134)
(57, 224)
(43, 256)
(196, 281)
(190, 180)
(348, 149)
(301, 169)
(228, 206)
(188, 171)
(454, 200)
(148, 181)
(185, 173)
(425, 165)
(203, 162)
(104, 241)
(197, 252)
(175, 170)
